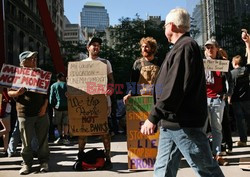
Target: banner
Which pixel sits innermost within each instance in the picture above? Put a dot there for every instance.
(142, 149)
(87, 76)
(87, 115)
(33, 79)
(216, 65)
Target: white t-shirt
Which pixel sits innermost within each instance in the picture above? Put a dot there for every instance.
(109, 67)
(109, 70)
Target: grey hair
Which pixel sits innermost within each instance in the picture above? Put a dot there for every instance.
(180, 17)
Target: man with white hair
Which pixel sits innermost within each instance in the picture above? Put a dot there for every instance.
(181, 104)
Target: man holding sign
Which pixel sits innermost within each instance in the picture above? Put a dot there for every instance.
(31, 110)
(217, 91)
(93, 47)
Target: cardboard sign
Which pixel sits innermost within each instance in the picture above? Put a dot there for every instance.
(33, 79)
(87, 115)
(142, 149)
(216, 65)
(87, 76)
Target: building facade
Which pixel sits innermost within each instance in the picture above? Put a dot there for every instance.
(72, 32)
(24, 30)
(94, 16)
(215, 18)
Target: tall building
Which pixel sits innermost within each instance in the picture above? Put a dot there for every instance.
(72, 32)
(24, 29)
(198, 26)
(94, 16)
(215, 15)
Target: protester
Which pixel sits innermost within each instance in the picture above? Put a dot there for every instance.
(31, 111)
(93, 47)
(219, 88)
(181, 104)
(144, 70)
(5, 120)
(58, 101)
(241, 94)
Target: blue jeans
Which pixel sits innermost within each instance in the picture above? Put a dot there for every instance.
(242, 115)
(215, 117)
(16, 138)
(192, 143)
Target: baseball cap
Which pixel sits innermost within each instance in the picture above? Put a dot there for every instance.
(94, 39)
(25, 55)
(212, 42)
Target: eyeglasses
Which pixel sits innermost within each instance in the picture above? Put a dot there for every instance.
(165, 25)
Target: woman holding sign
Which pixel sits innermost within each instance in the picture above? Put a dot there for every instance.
(31, 111)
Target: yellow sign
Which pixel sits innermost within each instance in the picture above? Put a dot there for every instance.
(142, 149)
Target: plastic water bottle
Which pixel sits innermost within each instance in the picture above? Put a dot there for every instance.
(56, 133)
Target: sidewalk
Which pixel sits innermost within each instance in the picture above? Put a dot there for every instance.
(62, 158)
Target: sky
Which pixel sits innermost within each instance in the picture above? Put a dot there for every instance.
(127, 8)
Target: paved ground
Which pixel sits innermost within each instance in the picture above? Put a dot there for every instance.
(62, 158)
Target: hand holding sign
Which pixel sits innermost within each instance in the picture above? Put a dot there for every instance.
(148, 128)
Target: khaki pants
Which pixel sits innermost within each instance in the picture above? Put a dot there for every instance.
(27, 126)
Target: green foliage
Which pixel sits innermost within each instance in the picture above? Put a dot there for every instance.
(71, 52)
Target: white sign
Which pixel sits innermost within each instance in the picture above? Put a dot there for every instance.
(33, 79)
(87, 76)
(216, 65)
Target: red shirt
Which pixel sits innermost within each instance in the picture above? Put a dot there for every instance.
(217, 87)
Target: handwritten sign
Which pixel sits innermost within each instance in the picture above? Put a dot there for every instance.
(87, 76)
(34, 79)
(216, 65)
(87, 114)
(142, 149)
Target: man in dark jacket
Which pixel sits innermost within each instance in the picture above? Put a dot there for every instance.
(180, 104)
(241, 94)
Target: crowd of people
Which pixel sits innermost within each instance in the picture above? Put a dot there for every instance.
(190, 104)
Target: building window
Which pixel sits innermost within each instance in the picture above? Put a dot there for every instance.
(30, 23)
(31, 44)
(21, 17)
(10, 44)
(31, 4)
(21, 41)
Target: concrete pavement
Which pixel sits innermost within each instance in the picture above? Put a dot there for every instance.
(62, 158)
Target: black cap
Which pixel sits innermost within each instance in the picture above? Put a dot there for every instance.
(59, 75)
(94, 39)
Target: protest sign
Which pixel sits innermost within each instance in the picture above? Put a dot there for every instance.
(87, 76)
(142, 149)
(216, 65)
(33, 79)
(87, 115)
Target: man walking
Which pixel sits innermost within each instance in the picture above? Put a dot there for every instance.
(181, 105)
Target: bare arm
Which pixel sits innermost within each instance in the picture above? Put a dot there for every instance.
(16, 93)
(246, 38)
(110, 81)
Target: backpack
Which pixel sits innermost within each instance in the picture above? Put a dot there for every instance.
(91, 160)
